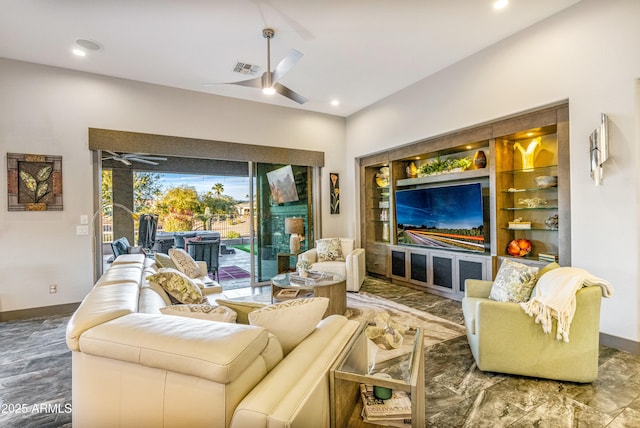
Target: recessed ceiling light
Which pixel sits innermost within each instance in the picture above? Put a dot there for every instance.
(335, 103)
(500, 4)
(89, 45)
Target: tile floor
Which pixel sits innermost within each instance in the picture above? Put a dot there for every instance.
(35, 377)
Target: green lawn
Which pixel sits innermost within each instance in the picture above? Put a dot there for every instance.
(243, 247)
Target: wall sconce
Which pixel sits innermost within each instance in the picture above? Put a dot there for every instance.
(294, 226)
(599, 149)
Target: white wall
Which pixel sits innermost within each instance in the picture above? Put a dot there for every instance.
(590, 55)
(47, 110)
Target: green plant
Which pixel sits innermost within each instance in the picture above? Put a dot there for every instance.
(232, 234)
(442, 165)
(463, 163)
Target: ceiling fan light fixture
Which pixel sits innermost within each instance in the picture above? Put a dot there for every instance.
(268, 91)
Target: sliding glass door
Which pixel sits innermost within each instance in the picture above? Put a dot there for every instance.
(280, 192)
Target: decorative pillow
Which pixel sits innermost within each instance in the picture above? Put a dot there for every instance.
(513, 282)
(164, 261)
(551, 266)
(242, 309)
(178, 285)
(291, 321)
(329, 250)
(203, 312)
(184, 263)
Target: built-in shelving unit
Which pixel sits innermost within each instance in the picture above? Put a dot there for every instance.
(512, 153)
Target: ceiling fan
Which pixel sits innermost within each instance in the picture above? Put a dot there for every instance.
(126, 158)
(268, 82)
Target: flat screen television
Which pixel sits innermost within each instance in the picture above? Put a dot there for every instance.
(448, 217)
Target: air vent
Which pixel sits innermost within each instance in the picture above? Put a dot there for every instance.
(243, 68)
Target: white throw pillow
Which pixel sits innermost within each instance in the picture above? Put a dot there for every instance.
(291, 321)
(178, 285)
(329, 250)
(203, 311)
(184, 262)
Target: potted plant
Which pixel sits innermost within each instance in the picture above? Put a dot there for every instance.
(303, 266)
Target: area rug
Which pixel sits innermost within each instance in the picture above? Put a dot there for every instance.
(226, 273)
(365, 306)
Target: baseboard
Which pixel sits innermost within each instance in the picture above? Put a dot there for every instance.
(620, 343)
(44, 311)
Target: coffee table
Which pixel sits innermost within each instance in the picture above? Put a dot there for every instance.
(332, 286)
(363, 363)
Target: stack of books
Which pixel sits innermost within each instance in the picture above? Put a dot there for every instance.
(396, 411)
(547, 257)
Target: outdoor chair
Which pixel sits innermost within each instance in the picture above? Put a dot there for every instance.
(207, 251)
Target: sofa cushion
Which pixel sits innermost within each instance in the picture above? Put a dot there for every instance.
(164, 261)
(178, 285)
(514, 282)
(202, 311)
(220, 352)
(290, 321)
(184, 262)
(242, 309)
(329, 250)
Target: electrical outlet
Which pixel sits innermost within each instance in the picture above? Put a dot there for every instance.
(53, 288)
(82, 230)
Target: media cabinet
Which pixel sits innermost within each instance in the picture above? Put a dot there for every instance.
(511, 153)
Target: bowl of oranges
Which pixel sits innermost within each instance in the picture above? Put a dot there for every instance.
(519, 247)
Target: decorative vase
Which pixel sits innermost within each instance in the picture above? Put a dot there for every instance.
(385, 232)
(479, 160)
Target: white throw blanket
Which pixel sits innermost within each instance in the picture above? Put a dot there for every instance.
(556, 297)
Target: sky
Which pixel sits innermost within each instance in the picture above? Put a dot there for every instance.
(236, 187)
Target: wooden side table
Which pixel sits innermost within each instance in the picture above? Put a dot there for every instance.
(334, 288)
(284, 262)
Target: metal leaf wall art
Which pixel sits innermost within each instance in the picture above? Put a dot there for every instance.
(34, 182)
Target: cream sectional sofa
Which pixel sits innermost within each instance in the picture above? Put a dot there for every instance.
(133, 366)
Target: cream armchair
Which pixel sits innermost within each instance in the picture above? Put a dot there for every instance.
(352, 268)
(504, 339)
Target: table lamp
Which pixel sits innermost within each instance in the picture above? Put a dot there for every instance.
(294, 226)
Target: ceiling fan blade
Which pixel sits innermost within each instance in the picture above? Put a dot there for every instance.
(141, 160)
(142, 156)
(123, 160)
(286, 65)
(283, 90)
(256, 82)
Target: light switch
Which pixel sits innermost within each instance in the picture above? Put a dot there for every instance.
(82, 230)
(84, 219)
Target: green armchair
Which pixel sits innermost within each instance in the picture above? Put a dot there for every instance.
(504, 339)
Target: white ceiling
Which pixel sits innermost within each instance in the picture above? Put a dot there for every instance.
(356, 51)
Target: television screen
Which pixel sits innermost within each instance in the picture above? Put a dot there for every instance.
(447, 217)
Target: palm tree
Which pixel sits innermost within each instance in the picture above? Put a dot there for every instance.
(218, 189)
